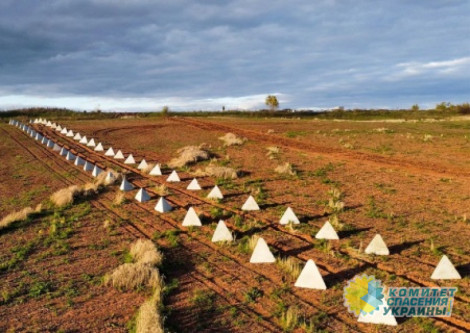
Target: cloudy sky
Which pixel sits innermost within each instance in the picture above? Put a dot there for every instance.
(203, 54)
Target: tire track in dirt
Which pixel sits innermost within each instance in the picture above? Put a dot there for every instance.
(308, 239)
(432, 169)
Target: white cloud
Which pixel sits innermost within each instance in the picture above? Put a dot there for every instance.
(408, 69)
(251, 102)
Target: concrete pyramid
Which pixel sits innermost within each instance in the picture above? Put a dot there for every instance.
(91, 143)
(173, 177)
(79, 161)
(262, 253)
(191, 219)
(163, 206)
(83, 140)
(327, 232)
(96, 171)
(70, 134)
(129, 160)
(215, 193)
(378, 317)
(156, 171)
(222, 233)
(289, 216)
(54, 126)
(88, 166)
(63, 151)
(310, 277)
(377, 246)
(119, 155)
(110, 178)
(445, 270)
(142, 165)
(109, 152)
(250, 204)
(194, 185)
(77, 137)
(142, 195)
(125, 185)
(64, 130)
(48, 124)
(58, 128)
(70, 156)
(99, 147)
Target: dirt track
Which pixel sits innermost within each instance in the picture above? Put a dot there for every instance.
(433, 169)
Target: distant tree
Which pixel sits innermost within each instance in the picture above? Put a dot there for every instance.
(445, 107)
(463, 108)
(165, 111)
(415, 107)
(272, 102)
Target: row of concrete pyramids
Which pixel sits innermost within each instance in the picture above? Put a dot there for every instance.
(310, 277)
(444, 270)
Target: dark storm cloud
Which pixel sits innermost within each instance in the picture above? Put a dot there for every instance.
(322, 53)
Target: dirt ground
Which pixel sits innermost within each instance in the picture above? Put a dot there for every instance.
(407, 181)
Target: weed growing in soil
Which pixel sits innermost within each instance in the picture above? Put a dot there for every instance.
(290, 266)
(171, 236)
(253, 294)
(289, 319)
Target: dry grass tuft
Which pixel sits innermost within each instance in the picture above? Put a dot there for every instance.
(149, 319)
(231, 139)
(149, 168)
(130, 276)
(252, 242)
(16, 217)
(162, 190)
(67, 195)
(273, 151)
(189, 155)
(290, 266)
(145, 252)
(142, 272)
(289, 319)
(270, 131)
(218, 172)
(285, 168)
(119, 198)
